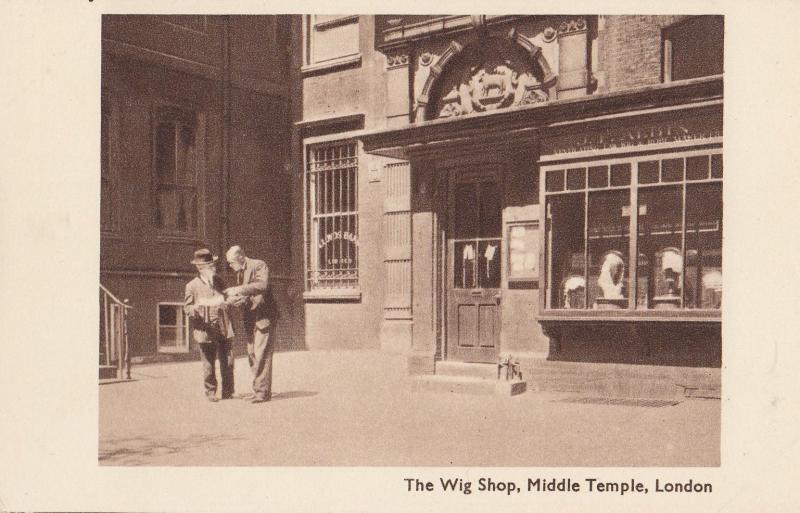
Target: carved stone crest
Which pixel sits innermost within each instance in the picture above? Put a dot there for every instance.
(494, 76)
(489, 89)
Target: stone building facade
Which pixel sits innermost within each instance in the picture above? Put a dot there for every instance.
(543, 186)
(452, 188)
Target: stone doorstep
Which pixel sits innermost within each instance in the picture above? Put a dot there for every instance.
(468, 385)
(467, 370)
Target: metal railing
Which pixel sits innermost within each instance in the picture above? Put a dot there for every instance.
(114, 349)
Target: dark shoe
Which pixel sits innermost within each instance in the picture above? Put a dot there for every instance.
(258, 400)
(227, 396)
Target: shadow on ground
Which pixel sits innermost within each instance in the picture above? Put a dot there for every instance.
(135, 451)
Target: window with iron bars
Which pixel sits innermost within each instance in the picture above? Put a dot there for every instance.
(332, 217)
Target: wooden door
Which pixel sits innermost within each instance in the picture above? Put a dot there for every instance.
(474, 263)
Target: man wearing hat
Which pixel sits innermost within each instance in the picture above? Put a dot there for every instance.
(253, 295)
(205, 305)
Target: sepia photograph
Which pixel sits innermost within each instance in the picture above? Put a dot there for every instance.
(348, 257)
(411, 241)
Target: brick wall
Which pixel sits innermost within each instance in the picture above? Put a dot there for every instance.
(630, 50)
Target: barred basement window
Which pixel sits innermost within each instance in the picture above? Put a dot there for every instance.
(332, 210)
(175, 172)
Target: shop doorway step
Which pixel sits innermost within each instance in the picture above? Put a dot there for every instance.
(469, 378)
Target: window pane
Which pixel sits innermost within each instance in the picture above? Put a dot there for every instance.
(648, 172)
(620, 175)
(697, 168)
(185, 162)
(672, 170)
(609, 240)
(491, 212)
(703, 287)
(660, 251)
(566, 266)
(489, 264)
(466, 210)
(598, 177)
(334, 42)
(464, 264)
(697, 47)
(166, 209)
(576, 179)
(168, 315)
(169, 337)
(554, 181)
(165, 153)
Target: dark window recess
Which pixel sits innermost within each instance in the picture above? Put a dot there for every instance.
(554, 181)
(672, 170)
(697, 168)
(694, 48)
(648, 172)
(576, 179)
(598, 177)
(620, 175)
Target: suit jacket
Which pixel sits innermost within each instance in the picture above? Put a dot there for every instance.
(208, 323)
(259, 311)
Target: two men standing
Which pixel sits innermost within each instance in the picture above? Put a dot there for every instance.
(208, 303)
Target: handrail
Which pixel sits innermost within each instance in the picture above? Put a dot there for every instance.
(114, 298)
(114, 338)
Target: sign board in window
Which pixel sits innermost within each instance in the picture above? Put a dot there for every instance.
(523, 251)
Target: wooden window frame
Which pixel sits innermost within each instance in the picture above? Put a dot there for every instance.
(311, 27)
(186, 328)
(180, 115)
(632, 312)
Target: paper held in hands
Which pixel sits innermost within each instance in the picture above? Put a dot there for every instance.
(215, 300)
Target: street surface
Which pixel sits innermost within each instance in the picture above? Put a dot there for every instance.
(357, 408)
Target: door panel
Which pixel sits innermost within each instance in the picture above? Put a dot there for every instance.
(474, 256)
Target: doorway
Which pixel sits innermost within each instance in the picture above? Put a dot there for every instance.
(474, 259)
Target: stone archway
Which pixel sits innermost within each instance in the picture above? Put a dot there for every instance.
(494, 72)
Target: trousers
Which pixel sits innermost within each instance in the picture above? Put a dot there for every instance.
(209, 354)
(259, 354)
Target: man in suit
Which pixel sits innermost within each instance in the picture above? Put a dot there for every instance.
(205, 305)
(253, 296)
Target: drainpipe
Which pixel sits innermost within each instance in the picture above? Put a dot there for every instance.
(226, 123)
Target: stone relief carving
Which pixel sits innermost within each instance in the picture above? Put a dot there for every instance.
(490, 82)
(571, 26)
(397, 59)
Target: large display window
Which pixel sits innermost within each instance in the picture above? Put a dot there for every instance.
(638, 233)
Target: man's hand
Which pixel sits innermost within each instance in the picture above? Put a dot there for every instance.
(236, 300)
(233, 291)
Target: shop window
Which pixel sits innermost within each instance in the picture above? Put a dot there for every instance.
(673, 259)
(693, 48)
(331, 40)
(332, 213)
(176, 169)
(173, 328)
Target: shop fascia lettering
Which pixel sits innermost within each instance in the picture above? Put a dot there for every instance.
(612, 138)
(338, 235)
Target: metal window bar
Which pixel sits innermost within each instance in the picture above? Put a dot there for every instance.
(332, 176)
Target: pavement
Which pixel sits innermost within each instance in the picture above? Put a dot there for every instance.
(358, 408)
